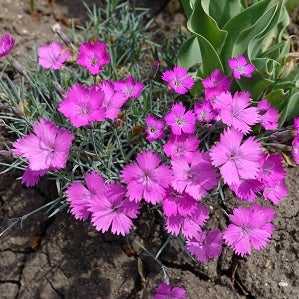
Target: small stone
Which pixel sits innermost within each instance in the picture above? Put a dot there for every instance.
(283, 284)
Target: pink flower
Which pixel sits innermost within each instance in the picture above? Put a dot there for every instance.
(52, 56)
(93, 56)
(195, 176)
(234, 110)
(30, 178)
(249, 227)
(204, 112)
(79, 196)
(241, 67)
(6, 44)
(296, 125)
(180, 121)
(247, 189)
(154, 128)
(176, 203)
(275, 192)
(205, 246)
(215, 84)
(188, 225)
(268, 115)
(272, 168)
(183, 145)
(178, 79)
(146, 178)
(235, 159)
(110, 208)
(47, 148)
(129, 87)
(295, 149)
(165, 291)
(113, 100)
(82, 105)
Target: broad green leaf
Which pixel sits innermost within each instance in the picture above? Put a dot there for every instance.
(265, 33)
(222, 11)
(239, 23)
(187, 8)
(278, 98)
(196, 50)
(291, 110)
(202, 24)
(256, 85)
(263, 26)
(265, 66)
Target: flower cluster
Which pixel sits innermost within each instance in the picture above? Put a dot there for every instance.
(191, 150)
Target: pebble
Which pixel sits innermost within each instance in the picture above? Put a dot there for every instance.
(283, 284)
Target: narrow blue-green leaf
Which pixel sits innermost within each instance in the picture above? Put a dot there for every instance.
(292, 109)
(222, 11)
(202, 24)
(197, 49)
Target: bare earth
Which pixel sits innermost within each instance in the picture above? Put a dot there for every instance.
(64, 258)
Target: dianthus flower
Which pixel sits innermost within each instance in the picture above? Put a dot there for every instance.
(296, 125)
(205, 246)
(129, 87)
(110, 208)
(45, 149)
(180, 120)
(275, 192)
(241, 67)
(52, 56)
(272, 168)
(146, 178)
(30, 178)
(249, 227)
(176, 203)
(6, 44)
(82, 105)
(268, 115)
(235, 112)
(195, 176)
(113, 100)
(93, 56)
(235, 159)
(165, 291)
(188, 225)
(79, 196)
(204, 112)
(215, 84)
(178, 79)
(247, 189)
(154, 128)
(295, 149)
(183, 145)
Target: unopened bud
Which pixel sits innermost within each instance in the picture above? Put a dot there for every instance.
(56, 28)
(2, 123)
(17, 66)
(58, 88)
(17, 112)
(154, 69)
(6, 154)
(283, 136)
